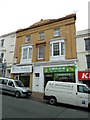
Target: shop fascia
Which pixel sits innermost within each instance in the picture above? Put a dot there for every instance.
(84, 75)
(21, 69)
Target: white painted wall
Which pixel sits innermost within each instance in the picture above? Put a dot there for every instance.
(81, 52)
(8, 49)
(38, 83)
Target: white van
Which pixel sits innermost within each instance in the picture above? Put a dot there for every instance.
(69, 93)
(14, 87)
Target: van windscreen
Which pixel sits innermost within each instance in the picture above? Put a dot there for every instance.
(19, 84)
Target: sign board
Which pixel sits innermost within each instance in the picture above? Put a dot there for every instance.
(59, 69)
(21, 69)
(84, 75)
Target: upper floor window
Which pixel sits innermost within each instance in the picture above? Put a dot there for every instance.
(41, 35)
(26, 54)
(2, 55)
(56, 32)
(41, 52)
(87, 44)
(2, 42)
(57, 49)
(27, 38)
(88, 61)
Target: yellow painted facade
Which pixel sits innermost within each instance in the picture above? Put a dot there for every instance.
(67, 30)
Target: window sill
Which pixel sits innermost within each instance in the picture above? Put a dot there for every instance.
(42, 59)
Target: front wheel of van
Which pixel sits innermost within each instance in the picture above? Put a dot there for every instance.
(17, 94)
(52, 100)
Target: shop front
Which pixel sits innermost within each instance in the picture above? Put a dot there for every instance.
(59, 73)
(22, 73)
(84, 76)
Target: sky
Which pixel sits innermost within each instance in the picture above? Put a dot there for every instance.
(17, 14)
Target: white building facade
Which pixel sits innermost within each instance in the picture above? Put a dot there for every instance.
(83, 55)
(7, 47)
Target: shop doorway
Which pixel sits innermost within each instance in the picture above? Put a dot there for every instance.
(25, 80)
(48, 77)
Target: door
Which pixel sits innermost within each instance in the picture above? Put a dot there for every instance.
(82, 95)
(11, 88)
(25, 80)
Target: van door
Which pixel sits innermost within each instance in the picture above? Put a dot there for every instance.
(11, 88)
(82, 95)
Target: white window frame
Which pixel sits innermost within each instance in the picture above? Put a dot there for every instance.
(27, 60)
(51, 44)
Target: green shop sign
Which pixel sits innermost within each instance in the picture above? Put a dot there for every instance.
(59, 69)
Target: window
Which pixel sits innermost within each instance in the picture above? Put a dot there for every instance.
(2, 55)
(41, 52)
(62, 48)
(56, 32)
(87, 44)
(82, 89)
(4, 82)
(41, 36)
(2, 42)
(30, 53)
(37, 75)
(57, 48)
(27, 38)
(10, 83)
(26, 54)
(88, 61)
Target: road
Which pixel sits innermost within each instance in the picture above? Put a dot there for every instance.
(29, 108)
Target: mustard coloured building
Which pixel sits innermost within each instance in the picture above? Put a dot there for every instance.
(46, 51)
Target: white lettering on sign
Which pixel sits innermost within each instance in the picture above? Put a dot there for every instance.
(85, 75)
(21, 69)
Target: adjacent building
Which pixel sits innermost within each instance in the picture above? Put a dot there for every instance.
(46, 51)
(7, 47)
(83, 55)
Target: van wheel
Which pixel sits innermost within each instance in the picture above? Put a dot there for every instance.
(52, 100)
(89, 107)
(17, 94)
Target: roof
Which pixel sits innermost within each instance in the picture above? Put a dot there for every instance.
(47, 21)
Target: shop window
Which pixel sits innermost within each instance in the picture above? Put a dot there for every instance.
(37, 75)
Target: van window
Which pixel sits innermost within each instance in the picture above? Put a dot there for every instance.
(10, 83)
(4, 81)
(0, 81)
(82, 89)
